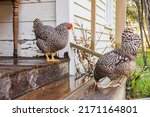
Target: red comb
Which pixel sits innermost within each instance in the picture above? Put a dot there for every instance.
(70, 26)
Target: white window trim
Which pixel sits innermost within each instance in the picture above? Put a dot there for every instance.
(64, 13)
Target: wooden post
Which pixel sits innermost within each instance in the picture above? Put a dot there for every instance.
(93, 23)
(120, 21)
(15, 26)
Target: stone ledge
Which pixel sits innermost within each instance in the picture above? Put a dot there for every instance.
(88, 92)
(28, 75)
(52, 91)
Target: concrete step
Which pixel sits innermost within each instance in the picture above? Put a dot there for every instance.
(18, 77)
(53, 91)
(74, 88)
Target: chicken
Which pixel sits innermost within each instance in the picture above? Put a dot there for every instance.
(50, 39)
(120, 61)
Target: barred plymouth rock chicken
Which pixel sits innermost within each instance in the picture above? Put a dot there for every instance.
(119, 61)
(50, 39)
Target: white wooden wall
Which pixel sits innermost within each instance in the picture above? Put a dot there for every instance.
(105, 24)
(54, 12)
(82, 15)
(28, 11)
(105, 21)
(46, 11)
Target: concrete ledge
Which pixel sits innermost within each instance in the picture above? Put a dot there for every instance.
(88, 92)
(52, 91)
(120, 93)
(28, 75)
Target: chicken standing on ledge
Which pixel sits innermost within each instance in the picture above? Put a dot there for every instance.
(120, 61)
(49, 39)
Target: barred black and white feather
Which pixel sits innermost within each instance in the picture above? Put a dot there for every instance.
(50, 39)
(119, 61)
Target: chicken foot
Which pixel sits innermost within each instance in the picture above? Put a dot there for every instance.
(52, 58)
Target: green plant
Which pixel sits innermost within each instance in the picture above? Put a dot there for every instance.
(139, 84)
(139, 60)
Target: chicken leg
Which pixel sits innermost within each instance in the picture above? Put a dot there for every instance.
(115, 85)
(52, 58)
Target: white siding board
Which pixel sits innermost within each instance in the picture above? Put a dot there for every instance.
(100, 8)
(103, 36)
(25, 49)
(44, 11)
(78, 32)
(29, 49)
(25, 30)
(6, 48)
(86, 6)
(79, 11)
(101, 4)
(103, 1)
(100, 20)
(86, 23)
(6, 31)
(99, 29)
(103, 44)
(103, 30)
(100, 12)
(84, 3)
(104, 41)
(82, 14)
(104, 50)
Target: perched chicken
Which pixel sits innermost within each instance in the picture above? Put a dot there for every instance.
(119, 61)
(49, 39)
